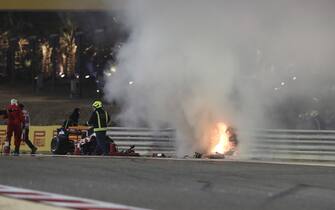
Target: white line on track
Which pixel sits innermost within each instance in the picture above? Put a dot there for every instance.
(235, 160)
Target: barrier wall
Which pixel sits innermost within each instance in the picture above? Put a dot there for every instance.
(311, 145)
(146, 141)
(40, 136)
(305, 145)
(288, 145)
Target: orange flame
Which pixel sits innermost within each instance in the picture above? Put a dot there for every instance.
(221, 139)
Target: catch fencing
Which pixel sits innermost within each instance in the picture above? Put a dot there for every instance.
(305, 145)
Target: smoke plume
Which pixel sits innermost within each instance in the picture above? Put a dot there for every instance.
(189, 64)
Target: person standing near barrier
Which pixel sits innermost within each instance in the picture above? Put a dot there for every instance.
(99, 120)
(73, 119)
(14, 125)
(25, 129)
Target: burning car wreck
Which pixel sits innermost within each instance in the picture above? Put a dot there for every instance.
(223, 143)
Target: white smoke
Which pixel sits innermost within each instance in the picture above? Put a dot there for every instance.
(188, 64)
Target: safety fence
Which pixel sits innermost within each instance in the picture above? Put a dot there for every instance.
(312, 145)
(146, 141)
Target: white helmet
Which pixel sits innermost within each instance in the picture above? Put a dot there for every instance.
(13, 101)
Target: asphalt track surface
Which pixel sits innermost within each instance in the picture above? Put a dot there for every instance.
(176, 184)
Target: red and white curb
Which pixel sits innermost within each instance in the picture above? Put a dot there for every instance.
(60, 200)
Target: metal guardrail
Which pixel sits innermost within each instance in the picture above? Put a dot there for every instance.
(146, 141)
(311, 145)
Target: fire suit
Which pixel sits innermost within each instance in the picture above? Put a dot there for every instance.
(25, 131)
(99, 120)
(14, 125)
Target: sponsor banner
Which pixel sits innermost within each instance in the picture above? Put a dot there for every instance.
(40, 136)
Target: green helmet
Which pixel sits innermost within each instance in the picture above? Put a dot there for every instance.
(97, 104)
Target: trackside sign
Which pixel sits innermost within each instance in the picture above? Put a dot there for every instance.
(40, 136)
